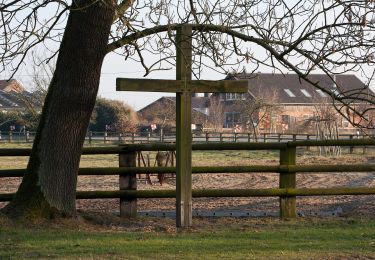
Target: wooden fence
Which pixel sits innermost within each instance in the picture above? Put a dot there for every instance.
(113, 137)
(130, 137)
(287, 169)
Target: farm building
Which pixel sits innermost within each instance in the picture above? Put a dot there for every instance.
(285, 103)
(13, 95)
(162, 112)
(278, 103)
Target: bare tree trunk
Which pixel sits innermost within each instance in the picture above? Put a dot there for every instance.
(255, 129)
(49, 186)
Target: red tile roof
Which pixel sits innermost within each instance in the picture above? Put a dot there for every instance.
(11, 85)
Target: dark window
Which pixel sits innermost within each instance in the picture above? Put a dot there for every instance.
(231, 119)
(285, 119)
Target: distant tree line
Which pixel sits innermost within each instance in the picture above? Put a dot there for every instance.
(108, 115)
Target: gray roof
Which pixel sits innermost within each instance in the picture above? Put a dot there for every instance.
(292, 89)
(13, 95)
(7, 100)
(198, 104)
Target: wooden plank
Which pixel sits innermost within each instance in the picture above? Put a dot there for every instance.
(128, 181)
(200, 86)
(149, 85)
(183, 129)
(288, 181)
(219, 86)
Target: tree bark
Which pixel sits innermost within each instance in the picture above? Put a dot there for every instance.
(49, 186)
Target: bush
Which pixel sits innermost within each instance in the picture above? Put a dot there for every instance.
(18, 120)
(113, 115)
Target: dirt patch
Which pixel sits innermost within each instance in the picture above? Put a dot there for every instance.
(346, 205)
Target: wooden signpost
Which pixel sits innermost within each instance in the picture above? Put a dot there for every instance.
(183, 86)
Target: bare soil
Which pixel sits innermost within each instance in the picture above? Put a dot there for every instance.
(342, 205)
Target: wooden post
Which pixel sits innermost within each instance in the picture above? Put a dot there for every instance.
(183, 129)
(133, 138)
(183, 86)
(161, 135)
(248, 137)
(279, 138)
(308, 139)
(207, 137)
(128, 206)
(10, 136)
(221, 137)
(294, 137)
(288, 180)
(351, 148)
(264, 137)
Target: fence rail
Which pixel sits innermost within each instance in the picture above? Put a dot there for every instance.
(120, 138)
(287, 170)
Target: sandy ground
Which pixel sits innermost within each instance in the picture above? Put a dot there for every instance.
(343, 205)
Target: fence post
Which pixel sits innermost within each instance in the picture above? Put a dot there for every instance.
(279, 138)
(105, 137)
(128, 206)
(264, 137)
(351, 148)
(308, 139)
(133, 138)
(161, 135)
(120, 137)
(248, 137)
(235, 137)
(10, 136)
(207, 137)
(221, 137)
(287, 180)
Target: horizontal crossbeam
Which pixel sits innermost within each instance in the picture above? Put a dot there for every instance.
(194, 86)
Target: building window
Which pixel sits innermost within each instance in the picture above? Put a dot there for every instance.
(289, 92)
(305, 92)
(321, 93)
(336, 92)
(235, 96)
(231, 119)
(285, 119)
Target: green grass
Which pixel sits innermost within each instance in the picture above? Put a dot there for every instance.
(200, 158)
(256, 239)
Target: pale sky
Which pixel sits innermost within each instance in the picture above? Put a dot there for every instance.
(115, 67)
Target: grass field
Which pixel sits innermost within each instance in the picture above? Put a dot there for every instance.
(211, 239)
(200, 158)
